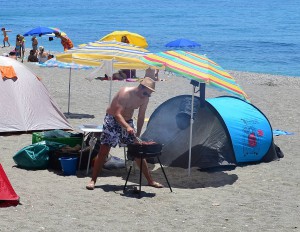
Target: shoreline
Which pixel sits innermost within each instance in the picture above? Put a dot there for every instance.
(8, 49)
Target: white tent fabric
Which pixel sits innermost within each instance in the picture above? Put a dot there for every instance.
(25, 103)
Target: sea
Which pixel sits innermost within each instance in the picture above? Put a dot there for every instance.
(260, 36)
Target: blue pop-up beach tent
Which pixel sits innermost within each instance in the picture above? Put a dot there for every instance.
(226, 131)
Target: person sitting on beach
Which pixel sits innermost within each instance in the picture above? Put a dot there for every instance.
(12, 55)
(32, 56)
(119, 75)
(118, 127)
(42, 55)
(124, 39)
(5, 36)
(65, 41)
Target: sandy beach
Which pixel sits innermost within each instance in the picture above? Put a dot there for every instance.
(263, 197)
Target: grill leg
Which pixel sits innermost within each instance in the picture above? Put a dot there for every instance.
(127, 178)
(164, 174)
(141, 175)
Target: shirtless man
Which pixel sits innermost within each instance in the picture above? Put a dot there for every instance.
(118, 125)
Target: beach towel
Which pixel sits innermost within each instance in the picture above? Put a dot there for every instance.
(7, 72)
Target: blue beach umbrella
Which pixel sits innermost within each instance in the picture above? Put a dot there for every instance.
(179, 43)
(39, 31)
(55, 63)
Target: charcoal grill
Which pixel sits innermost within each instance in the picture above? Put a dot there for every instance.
(144, 151)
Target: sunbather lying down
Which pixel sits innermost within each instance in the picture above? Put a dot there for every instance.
(116, 76)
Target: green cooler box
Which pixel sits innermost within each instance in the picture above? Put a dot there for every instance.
(71, 141)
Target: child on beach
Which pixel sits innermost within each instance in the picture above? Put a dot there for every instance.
(5, 36)
(32, 56)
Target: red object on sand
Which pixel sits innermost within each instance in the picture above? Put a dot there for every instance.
(8, 196)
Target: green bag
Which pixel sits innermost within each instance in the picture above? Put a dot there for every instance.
(32, 157)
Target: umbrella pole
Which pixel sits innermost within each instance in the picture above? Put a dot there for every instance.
(111, 78)
(69, 97)
(191, 132)
(202, 95)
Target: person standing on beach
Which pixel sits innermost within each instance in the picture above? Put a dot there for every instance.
(21, 41)
(34, 43)
(152, 73)
(118, 127)
(18, 47)
(5, 36)
(65, 41)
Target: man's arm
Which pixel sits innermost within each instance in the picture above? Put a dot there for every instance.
(120, 119)
(141, 118)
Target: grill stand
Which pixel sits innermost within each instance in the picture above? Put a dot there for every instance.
(141, 156)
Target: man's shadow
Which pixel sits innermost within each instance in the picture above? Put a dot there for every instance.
(179, 178)
(130, 191)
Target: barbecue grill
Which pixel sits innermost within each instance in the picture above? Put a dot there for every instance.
(144, 150)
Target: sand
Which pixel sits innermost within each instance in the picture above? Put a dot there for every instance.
(263, 197)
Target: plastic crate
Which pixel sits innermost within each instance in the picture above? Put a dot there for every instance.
(71, 141)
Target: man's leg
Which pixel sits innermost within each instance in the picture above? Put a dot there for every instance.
(23, 52)
(147, 174)
(98, 164)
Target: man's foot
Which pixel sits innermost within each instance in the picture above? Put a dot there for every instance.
(155, 185)
(91, 185)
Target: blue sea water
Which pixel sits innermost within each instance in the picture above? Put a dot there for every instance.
(257, 36)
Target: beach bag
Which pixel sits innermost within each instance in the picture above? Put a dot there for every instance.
(32, 157)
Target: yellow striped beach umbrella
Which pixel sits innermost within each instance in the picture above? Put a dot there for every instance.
(112, 54)
(124, 56)
(195, 67)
